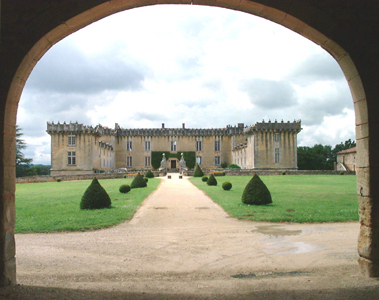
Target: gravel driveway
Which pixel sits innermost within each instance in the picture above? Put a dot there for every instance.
(181, 245)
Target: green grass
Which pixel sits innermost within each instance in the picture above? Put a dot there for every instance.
(54, 206)
(300, 198)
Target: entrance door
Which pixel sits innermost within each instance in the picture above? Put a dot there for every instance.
(173, 164)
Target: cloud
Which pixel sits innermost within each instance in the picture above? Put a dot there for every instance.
(269, 94)
(316, 67)
(65, 69)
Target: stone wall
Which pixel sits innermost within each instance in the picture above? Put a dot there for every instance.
(237, 172)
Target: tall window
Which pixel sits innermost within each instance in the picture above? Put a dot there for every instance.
(217, 160)
(173, 146)
(217, 146)
(198, 160)
(72, 140)
(277, 157)
(199, 146)
(277, 137)
(147, 146)
(147, 161)
(71, 158)
(129, 146)
(129, 162)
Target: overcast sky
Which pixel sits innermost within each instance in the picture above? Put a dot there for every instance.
(204, 66)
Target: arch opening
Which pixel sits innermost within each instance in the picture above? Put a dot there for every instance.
(107, 8)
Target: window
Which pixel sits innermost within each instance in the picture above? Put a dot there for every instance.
(198, 146)
(129, 161)
(129, 146)
(147, 145)
(198, 160)
(277, 158)
(173, 146)
(277, 137)
(217, 160)
(71, 158)
(217, 146)
(72, 140)
(147, 161)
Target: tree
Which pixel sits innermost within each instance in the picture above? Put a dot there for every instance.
(22, 163)
(320, 157)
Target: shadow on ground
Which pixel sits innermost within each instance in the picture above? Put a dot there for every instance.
(33, 292)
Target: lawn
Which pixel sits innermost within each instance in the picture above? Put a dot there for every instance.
(54, 206)
(297, 198)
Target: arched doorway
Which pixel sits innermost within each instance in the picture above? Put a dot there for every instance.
(28, 37)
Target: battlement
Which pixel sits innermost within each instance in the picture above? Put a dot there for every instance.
(227, 131)
(77, 128)
(118, 131)
(276, 126)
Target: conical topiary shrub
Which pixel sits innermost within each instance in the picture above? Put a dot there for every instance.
(149, 174)
(212, 180)
(198, 172)
(95, 197)
(138, 182)
(256, 192)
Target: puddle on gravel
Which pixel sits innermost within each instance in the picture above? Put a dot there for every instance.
(294, 247)
(275, 232)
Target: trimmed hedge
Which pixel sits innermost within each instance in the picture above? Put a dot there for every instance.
(212, 180)
(226, 185)
(234, 166)
(95, 197)
(189, 157)
(149, 174)
(256, 192)
(198, 172)
(204, 178)
(138, 182)
(125, 188)
(218, 173)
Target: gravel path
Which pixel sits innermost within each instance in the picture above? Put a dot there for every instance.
(181, 245)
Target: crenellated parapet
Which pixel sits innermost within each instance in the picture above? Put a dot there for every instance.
(229, 130)
(78, 128)
(276, 126)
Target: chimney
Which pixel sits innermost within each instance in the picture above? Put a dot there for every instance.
(162, 125)
(183, 125)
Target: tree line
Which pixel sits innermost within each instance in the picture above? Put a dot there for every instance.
(320, 157)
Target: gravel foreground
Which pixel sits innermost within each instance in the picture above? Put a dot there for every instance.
(181, 245)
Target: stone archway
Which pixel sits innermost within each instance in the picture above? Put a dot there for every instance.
(348, 32)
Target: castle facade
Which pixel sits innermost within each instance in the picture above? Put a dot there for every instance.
(82, 149)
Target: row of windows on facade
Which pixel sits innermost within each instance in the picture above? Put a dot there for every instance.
(72, 142)
(71, 160)
(173, 146)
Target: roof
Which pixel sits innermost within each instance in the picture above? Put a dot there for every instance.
(351, 150)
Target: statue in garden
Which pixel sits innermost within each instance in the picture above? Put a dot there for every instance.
(182, 164)
(164, 162)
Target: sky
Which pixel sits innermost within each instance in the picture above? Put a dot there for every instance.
(203, 66)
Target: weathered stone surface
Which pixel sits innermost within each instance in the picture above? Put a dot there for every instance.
(368, 242)
(368, 267)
